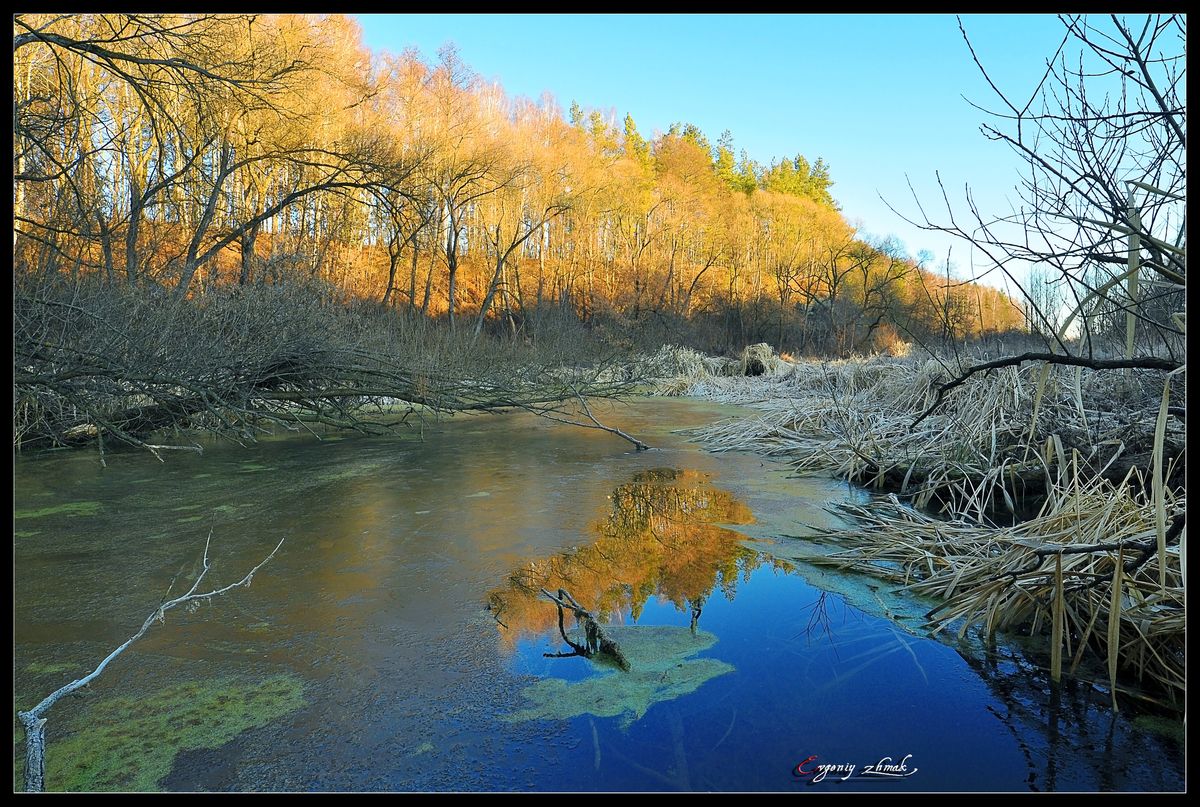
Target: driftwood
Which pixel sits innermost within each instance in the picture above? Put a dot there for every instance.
(595, 640)
(34, 721)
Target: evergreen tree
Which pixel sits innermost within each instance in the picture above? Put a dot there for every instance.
(636, 146)
(723, 161)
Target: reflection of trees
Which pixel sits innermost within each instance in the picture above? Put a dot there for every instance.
(660, 538)
(1068, 734)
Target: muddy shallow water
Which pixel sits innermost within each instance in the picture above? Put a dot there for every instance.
(398, 640)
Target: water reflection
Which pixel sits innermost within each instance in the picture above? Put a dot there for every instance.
(374, 604)
(1056, 726)
(661, 538)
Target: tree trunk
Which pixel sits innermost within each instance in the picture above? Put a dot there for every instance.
(452, 262)
(491, 293)
(493, 286)
(452, 265)
(106, 249)
(393, 259)
(248, 239)
(508, 313)
(131, 235)
(428, 284)
(192, 261)
(412, 277)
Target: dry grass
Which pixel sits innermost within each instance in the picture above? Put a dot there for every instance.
(1089, 558)
(1099, 570)
(677, 371)
(668, 368)
(990, 445)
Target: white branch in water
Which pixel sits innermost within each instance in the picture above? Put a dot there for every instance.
(33, 720)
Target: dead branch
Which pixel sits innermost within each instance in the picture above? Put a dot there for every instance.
(34, 721)
(241, 363)
(1136, 363)
(595, 640)
(591, 423)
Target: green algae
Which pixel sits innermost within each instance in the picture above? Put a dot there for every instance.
(41, 668)
(131, 743)
(660, 669)
(68, 509)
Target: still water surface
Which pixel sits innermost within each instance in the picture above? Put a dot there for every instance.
(398, 640)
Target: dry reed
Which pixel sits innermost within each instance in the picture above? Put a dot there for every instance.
(1086, 569)
(1099, 570)
(986, 448)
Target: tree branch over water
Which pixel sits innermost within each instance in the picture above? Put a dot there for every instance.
(97, 363)
(552, 413)
(34, 721)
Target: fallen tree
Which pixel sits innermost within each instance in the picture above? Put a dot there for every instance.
(95, 364)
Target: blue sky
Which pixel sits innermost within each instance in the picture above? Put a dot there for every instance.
(878, 97)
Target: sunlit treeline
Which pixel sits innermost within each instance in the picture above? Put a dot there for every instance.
(188, 152)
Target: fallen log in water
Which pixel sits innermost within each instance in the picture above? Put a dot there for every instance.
(595, 640)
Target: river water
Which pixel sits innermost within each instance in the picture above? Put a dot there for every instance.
(398, 640)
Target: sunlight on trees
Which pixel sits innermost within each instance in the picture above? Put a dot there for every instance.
(196, 152)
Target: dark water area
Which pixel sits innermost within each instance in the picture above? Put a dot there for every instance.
(398, 639)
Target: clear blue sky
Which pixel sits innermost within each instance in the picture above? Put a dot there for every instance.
(877, 96)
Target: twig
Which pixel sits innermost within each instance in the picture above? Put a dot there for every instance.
(33, 721)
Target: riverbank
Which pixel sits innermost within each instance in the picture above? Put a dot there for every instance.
(1048, 501)
(375, 605)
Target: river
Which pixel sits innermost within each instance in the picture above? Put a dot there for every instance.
(398, 639)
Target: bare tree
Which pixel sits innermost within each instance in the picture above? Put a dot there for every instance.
(1102, 141)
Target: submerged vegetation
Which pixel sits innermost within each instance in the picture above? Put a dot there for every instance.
(130, 743)
(661, 668)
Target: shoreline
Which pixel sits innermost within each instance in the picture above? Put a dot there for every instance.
(1096, 569)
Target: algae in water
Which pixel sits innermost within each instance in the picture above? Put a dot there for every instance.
(660, 670)
(68, 509)
(131, 742)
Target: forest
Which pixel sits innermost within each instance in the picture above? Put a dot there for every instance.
(246, 225)
(186, 156)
